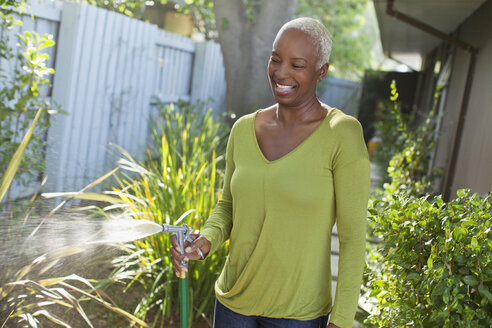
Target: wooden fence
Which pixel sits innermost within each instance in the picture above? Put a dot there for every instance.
(342, 94)
(109, 71)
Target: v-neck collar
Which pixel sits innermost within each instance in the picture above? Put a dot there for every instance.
(292, 151)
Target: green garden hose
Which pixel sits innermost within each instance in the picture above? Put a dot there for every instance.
(183, 301)
(182, 234)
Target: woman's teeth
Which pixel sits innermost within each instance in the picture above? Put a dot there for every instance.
(284, 87)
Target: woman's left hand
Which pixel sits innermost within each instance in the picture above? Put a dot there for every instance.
(332, 325)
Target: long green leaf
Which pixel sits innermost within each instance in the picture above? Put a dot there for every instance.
(107, 305)
(100, 179)
(52, 318)
(73, 300)
(16, 159)
(85, 195)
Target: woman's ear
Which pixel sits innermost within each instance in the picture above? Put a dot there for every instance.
(322, 72)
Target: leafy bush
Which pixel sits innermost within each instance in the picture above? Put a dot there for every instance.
(390, 130)
(20, 91)
(407, 144)
(433, 267)
(179, 175)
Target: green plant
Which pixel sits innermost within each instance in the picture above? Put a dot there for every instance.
(350, 32)
(30, 292)
(388, 129)
(27, 291)
(21, 98)
(433, 266)
(14, 3)
(432, 263)
(16, 158)
(28, 297)
(406, 148)
(178, 175)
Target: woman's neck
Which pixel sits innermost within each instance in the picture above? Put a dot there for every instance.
(311, 110)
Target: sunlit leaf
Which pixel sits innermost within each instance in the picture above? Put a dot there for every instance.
(87, 196)
(52, 318)
(470, 280)
(17, 157)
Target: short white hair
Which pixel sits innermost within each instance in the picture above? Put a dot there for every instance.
(317, 32)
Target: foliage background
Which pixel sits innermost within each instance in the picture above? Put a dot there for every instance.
(348, 21)
(432, 265)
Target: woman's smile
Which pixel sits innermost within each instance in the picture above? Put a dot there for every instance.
(283, 89)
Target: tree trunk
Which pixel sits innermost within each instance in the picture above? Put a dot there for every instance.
(246, 46)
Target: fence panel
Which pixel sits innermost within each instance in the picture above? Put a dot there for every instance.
(175, 55)
(108, 68)
(342, 94)
(105, 73)
(209, 75)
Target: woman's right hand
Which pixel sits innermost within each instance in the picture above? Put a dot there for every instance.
(191, 252)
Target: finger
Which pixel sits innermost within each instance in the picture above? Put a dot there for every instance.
(198, 249)
(177, 258)
(177, 262)
(191, 248)
(197, 242)
(174, 242)
(177, 255)
(189, 244)
(200, 242)
(192, 256)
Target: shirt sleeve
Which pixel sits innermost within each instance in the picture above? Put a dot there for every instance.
(218, 226)
(351, 172)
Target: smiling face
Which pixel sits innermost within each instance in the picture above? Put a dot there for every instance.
(292, 69)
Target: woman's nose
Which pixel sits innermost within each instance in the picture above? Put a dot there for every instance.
(281, 71)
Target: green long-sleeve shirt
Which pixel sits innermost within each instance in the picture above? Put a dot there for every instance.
(279, 217)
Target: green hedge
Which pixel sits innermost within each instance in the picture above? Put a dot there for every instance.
(433, 265)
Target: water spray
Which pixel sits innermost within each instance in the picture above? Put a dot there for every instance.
(182, 235)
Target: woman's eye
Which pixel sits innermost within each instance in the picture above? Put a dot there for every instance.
(297, 66)
(275, 60)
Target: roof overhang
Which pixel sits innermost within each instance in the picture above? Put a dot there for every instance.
(398, 37)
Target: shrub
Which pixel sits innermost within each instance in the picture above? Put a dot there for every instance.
(407, 144)
(433, 266)
(179, 174)
(20, 90)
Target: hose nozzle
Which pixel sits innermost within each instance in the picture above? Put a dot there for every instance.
(182, 235)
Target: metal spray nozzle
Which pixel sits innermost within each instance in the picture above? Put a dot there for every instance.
(182, 234)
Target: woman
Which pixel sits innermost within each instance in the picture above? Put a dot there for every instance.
(292, 170)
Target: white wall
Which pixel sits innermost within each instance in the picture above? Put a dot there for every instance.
(474, 165)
